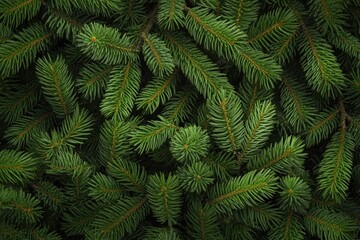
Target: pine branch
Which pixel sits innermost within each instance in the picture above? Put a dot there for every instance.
(195, 177)
(156, 92)
(50, 194)
(19, 207)
(181, 105)
(161, 233)
(74, 130)
(16, 167)
(69, 163)
(25, 128)
(281, 157)
(189, 144)
(202, 221)
(5, 33)
(196, 66)
(336, 165)
(320, 64)
(250, 189)
(18, 99)
(258, 128)
(272, 28)
(117, 220)
(324, 124)
(258, 67)
(251, 93)
(346, 42)
(290, 228)
(242, 13)
(225, 113)
(92, 80)
(157, 55)
(171, 16)
(223, 164)
(105, 188)
(164, 196)
(15, 12)
(217, 35)
(129, 174)
(114, 139)
(226, 40)
(264, 215)
(22, 49)
(297, 103)
(57, 85)
(105, 44)
(65, 25)
(150, 137)
(295, 195)
(121, 91)
(327, 224)
(329, 15)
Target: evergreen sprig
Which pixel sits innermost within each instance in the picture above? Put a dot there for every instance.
(21, 50)
(237, 193)
(57, 84)
(189, 144)
(105, 44)
(179, 119)
(164, 197)
(225, 113)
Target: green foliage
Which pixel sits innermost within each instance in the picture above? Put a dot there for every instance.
(170, 14)
(121, 91)
(252, 188)
(50, 194)
(189, 144)
(202, 221)
(21, 50)
(179, 119)
(181, 105)
(104, 188)
(329, 15)
(327, 224)
(19, 207)
(16, 166)
(282, 157)
(92, 80)
(335, 169)
(324, 124)
(242, 13)
(196, 66)
(129, 212)
(164, 197)
(272, 29)
(26, 127)
(129, 174)
(151, 136)
(17, 99)
(13, 13)
(156, 92)
(57, 85)
(297, 103)
(317, 55)
(291, 227)
(257, 127)
(195, 177)
(157, 55)
(225, 113)
(114, 139)
(295, 194)
(105, 44)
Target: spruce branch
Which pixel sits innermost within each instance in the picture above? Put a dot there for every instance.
(20, 51)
